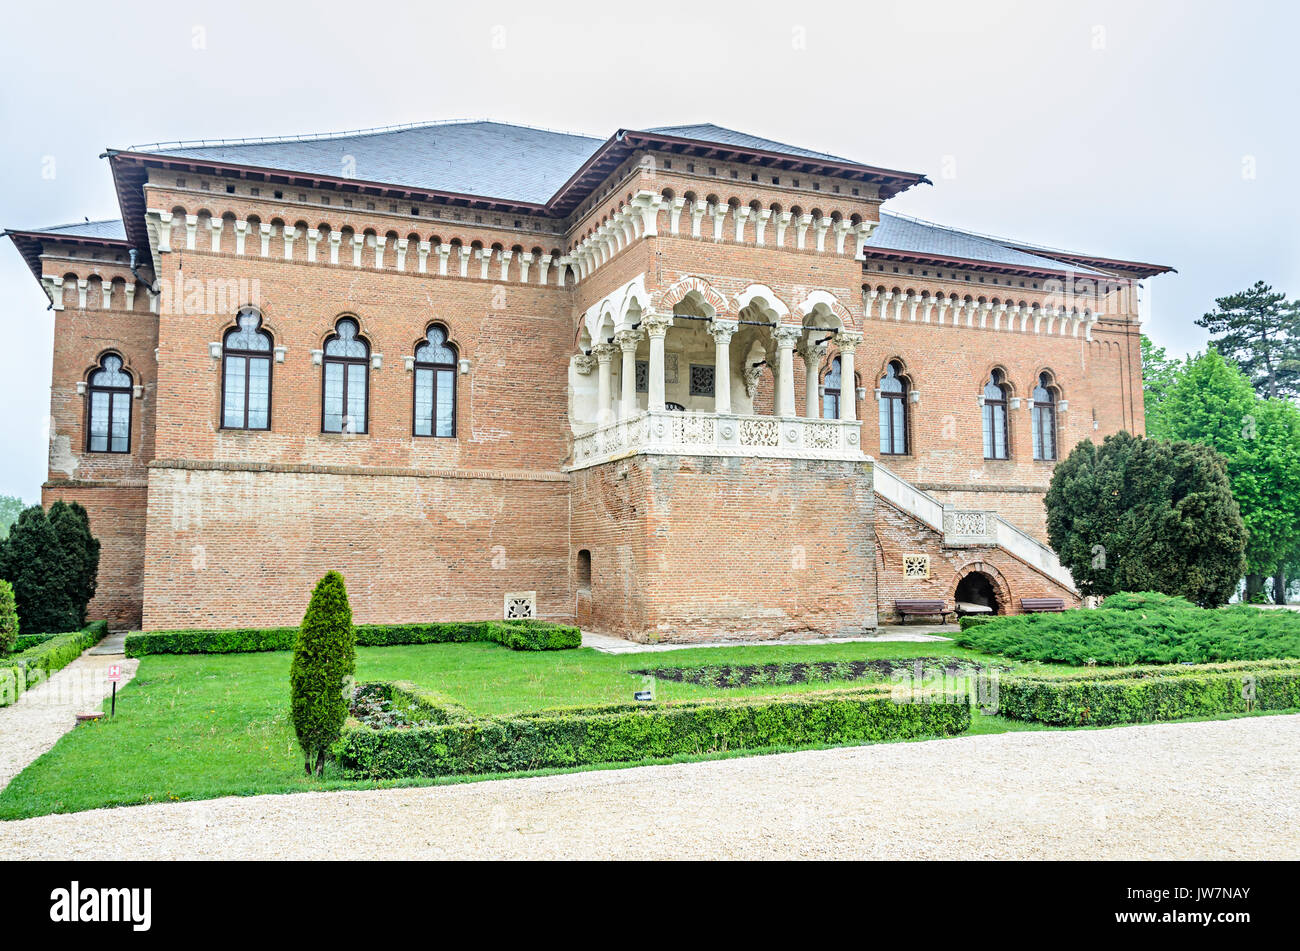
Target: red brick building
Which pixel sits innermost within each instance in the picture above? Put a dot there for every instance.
(678, 383)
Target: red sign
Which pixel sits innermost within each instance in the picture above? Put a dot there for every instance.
(115, 674)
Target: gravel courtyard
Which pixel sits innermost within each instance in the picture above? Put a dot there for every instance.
(1224, 789)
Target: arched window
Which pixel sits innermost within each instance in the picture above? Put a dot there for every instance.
(246, 374)
(435, 385)
(108, 427)
(346, 395)
(831, 391)
(995, 416)
(1044, 419)
(893, 412)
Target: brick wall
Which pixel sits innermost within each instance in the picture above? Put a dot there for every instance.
(231, 548)
(899, 534)
(693, 548)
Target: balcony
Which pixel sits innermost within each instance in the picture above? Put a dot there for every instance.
(669, 433)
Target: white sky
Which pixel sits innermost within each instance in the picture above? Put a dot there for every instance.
(1163, 131)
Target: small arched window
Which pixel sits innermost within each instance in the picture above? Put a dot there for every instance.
(246, 374)
(346, 374)
(995, 416)
(1045, 419)
(108, 426)
(831, 391)
(893, 411)
(435, 384)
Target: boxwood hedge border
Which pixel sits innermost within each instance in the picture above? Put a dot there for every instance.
(1152, 694)
(454, 742)
(525, 634)
(26, 668)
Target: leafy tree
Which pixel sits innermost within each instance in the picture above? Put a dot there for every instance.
(1159, 374)
(1146, 515)
(1213, 403)
(31, 559)
(320, 677)
(1259, 329)
(8, 619)
(10, 506)
(80, 554)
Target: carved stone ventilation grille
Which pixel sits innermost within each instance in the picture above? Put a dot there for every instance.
(821, 436)
(916, 566)
(759, 432)
(520, 604)
(693, 430)
(966, 523)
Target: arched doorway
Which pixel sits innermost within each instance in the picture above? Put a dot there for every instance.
(977, 594)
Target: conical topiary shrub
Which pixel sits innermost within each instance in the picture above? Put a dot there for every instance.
(8, 619)
(324, 660)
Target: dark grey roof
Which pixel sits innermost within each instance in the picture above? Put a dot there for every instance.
(708, 132)
(896, 233)
(109, 229)
(486, 159)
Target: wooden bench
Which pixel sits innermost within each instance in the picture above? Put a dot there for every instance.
(918, 606)
(1038, 605)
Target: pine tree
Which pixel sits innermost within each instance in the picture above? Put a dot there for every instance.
(31, 559)
(1260, 330)
(80, 552)
(324, 660)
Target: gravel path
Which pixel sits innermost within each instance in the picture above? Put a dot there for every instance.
(43, 714)
(1226, 789)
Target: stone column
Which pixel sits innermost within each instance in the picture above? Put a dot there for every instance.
(656, 325)
(812, 354)
(627, 341)
(604, 353)
(785, 340)
(722, 331)
(848, 342)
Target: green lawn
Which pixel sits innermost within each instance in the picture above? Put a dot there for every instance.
(200, 726)
(204, 725)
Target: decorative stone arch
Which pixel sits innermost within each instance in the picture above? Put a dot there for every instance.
(635, 303)
(1053, 376)
(1001, 589)
(229, 321)
(670, 297)
(824, 302)
(1008, 378)
(908, 374)
(128, 365)
(762, 292)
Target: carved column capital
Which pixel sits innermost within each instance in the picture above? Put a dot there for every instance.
(848, 340)
(723, 330)
(627, 340)
(656, 325)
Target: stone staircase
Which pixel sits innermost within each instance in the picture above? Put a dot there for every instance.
(966, 527)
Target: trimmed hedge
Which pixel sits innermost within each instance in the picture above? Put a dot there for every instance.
(975, 620)
(1140, 629)
(517, 635)
(26, 641)
(36, 663)
(1149, 695)
(629, 733)
(729, 676)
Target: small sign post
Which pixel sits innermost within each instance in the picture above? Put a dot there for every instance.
(114, 677)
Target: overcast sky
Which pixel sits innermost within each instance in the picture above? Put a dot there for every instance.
(1159, 130)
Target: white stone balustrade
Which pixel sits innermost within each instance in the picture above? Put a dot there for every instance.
(668, 433)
